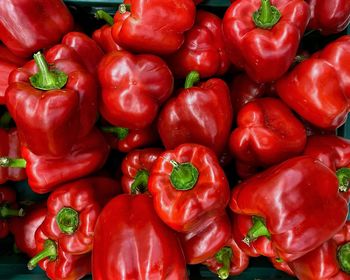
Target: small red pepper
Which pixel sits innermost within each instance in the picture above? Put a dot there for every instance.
(330, 261)
(29, 26)
(199, 114)
(262, 137)
(142, 246)
(203, 50)
(182, 180)
(136, 167)
(329, 17)
(153, 26)
(309, 209)
(263, 36)
(133, 88)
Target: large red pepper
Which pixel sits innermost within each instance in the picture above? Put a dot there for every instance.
(32, 98)
(330, 261)
(8, 209)
(203, 50)
(133, 88)
(199, 114)
(329, 16)
(309, 209)
(153, 26)
(136, 167)
(142, 246)
(29, 26)
(263, 36)
(262, 137)
(182, 180)
(7, 55)
(306, 88)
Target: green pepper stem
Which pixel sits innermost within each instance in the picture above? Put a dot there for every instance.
(123, 8)
(140, 183)
(13, 162)
(67, 220)
(5, 120)
(184, 176)
(192, 78)
(6, 212)
(266, 16)
(344, 257)
(258, 229)
(101, 14)
(224, 257)
(120, 132)
(343, 175)
(45, 79)
(49, 251)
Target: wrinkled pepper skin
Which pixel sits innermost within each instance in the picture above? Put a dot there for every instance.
(142, 245)
(278, 44)
(182, 180)
(303, 185)
(153, 26)
(199, 114)
(10, 147)
(306, 88)
(24, 228)
(262, 137)
(203, 49)
(41, 123)
(206, 240)
(133, 88)
(136, 167)
(323, 262)
(329, 17)
(46, 172)
(42, 24)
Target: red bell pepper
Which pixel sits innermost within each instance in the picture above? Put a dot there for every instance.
(24, 228)
(5, 69)
(7, 55)
(263, 36)
(329, 17)
(136, 167)
(281, 265)
(203, 50)
(29, 26)
(133, 88)
(309, 209)
(142, 246)
(182, 180)
(103, 35)
(8, 208)
(306, 88)
(206, 240)
(32, 98)
(153, 26)
(199, 114)
(262, 137)
(330, 261)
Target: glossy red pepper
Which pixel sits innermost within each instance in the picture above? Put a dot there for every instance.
(281, 265)
(8, 208)
(203, 50)
(7, 55)
(329, 261)
(153, 26)
(311, 81)
(5, 69)
(181, 181)
(29, 26)
(24, 228)
(142, 246)
(309, 209)
(133, 88)
(262, 33)
(329, 16)
(43, 126)
(262, 137)
(199, 114)
(136, 167)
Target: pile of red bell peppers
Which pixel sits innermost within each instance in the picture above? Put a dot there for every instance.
(167, 136)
